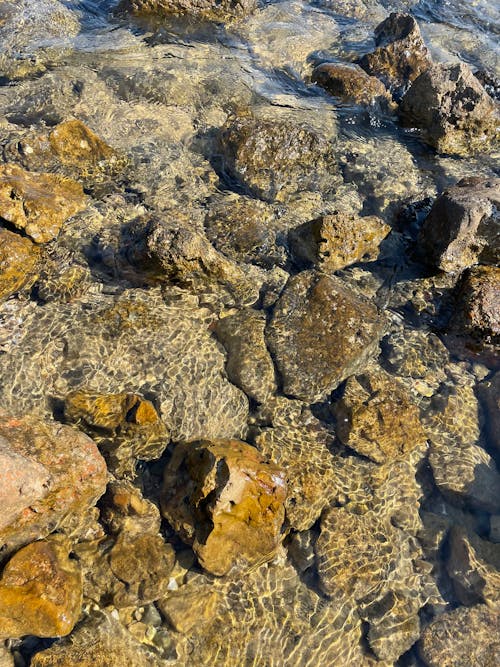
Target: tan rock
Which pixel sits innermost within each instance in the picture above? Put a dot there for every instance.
(38, 204)
(186, 610)
(40, 591)
(18, 263)
(350, 83)
(332, 242)
(242, 524)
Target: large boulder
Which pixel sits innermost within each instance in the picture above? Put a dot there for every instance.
(451, 108)
(18, 263)
(463, 226)
(206, 9)
(226, 500)
(320, 333)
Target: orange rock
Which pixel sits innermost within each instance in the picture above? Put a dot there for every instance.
(73, 142)
(18, 262)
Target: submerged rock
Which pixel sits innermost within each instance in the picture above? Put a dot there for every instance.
(19, 259)
(463, 637)
(479, 303)
(463, 226)
(226, 500)
(40, 591)
(38, 204)
(332, 242)
(401, 55)
(489, 393)
(454, 112)
(320, 333)
(351, 84)
(214, 10)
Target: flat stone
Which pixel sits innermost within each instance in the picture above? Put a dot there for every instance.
(18, 263)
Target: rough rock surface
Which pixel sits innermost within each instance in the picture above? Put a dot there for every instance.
(351, 83)
(207, 9)
(38, 204)
(464, 637)
(125, 426)
(249, 365)
(479, 303)
(18, 263)
(40, 591)
(274, 159)
(74, 478)
(376, 419)
(401, 55)
(454, 112)
(463, 226)
(332, 242)
(226, 500)
(320, 333)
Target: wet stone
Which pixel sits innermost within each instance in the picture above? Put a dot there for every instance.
(320, 333)
(205, 9)
(454, 112)
(19, 259)
(479, 303)
(187, 610)
(489, 394)
(351, 83)
(241, 525)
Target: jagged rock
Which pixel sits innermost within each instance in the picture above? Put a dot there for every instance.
(332, 242)
(454, 112)
(274, 159)
(376, 418)
(474, 564)
(72, 476)
(490, 82)
(226, 500)
(40, 591)
(401, 55)
(38, 204)
(489, 393)
(18, 263)
(125, 426)
(206, 9)
(320, 333)
(351, 83)
(464, 637)
(249, 365)
(99, 641)
(187, 610)
(463, 226)
(479, 303)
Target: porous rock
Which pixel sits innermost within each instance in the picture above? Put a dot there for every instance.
(454, 112)
(18, 263)
(38, 204)
(226, 500)
(479, 303)
(463, 226)
(351, 83)
(206, 9)
(320, 333)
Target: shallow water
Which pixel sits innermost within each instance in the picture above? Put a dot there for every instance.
(157, 91)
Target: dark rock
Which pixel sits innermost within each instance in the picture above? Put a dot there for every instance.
(214, 10)
(320, 333)
(479, 303)
(454, 112)
(351, 84)
(489, 394)
(463, 226)
(490, 82)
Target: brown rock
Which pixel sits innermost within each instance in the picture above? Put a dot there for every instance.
(40, 591)
(454, 112)
(489, 393)
(351, 84)
(463, 226)
(464, 637)
(222, 497)
(401, 55)
(76, 478)
(206, 9)
(38, 204)
(18, 263)
(188, 609)
(479, 303)
(125, 510)
(376, 418)
(320, 333)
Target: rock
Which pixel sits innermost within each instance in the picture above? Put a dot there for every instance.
(40, 591)
(71, 477)
(320, 333)
(489, 394)
(401, 55)
(99, 641)
(490, 82)
(224, 10)
(226, 500)
(474, 564)
(351, 84)
(463, 226)
(124, 510)
(6, 657)
(376, 418)
(62, 277)
(479, 303)
(274, 159)
(18, 263)
(188, 610)
(125, 426)
(454, 112)
(249, 365)
(38, 204)
(332, 242)
(464, 637)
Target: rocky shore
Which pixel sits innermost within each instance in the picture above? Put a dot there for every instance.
(249, 328)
